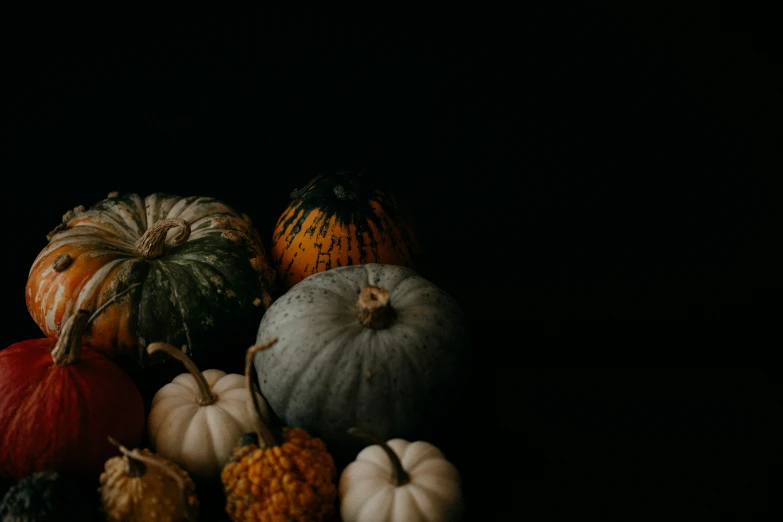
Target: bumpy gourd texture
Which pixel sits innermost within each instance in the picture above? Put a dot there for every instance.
(294, 481)
(155, 495)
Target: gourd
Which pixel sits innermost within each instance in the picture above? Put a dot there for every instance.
(196, 419)
(278, 472)
(341, 219)
(142, 486)
(365, 345)
(398, 481)
(59, 402)
(204, 274)
(49, 496)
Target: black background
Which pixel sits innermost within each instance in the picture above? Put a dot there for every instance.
(596, 186)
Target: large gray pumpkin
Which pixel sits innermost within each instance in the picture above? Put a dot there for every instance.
(375, 346)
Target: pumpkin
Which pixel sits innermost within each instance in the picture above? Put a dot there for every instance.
(140, 486)
(204, 274)
(398, 480)
(341, 219)
(49, 496)
(278, 473)
(373, 345)
(196, 419)
(60, 401)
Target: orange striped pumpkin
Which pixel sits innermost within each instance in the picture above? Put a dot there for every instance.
(204, 273)
(341, 219)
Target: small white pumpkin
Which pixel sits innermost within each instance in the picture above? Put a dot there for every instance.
(400, 481)
(196, 419)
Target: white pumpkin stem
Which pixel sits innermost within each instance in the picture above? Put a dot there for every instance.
(266, 439)
(400, 477)
(205, 394)
(68, 348)
(374, 307)
(143, 461)
(152, 244)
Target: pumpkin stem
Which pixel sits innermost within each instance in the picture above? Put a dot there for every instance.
(296, 193)
(152, 244)
(68, 348)
(374, 309)
(399, 475)
(266, 438)
(340, 191)
(136, 467)
(205, 394)
(136, 458)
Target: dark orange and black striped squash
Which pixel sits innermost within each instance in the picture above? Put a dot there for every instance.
(341, 219)
(204, 276)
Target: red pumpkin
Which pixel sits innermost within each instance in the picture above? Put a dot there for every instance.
(60, 401)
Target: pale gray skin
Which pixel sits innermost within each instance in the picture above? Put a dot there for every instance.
(328, 372)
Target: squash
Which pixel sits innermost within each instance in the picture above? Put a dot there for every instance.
(204, 274)
(341, 219)
(49, 496)
(59, 402)
(141, 486)
(196, 419)
(278, 472)
(372, 345)
(398, 480)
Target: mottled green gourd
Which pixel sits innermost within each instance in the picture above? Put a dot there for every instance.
(203, 273)
(48, 496)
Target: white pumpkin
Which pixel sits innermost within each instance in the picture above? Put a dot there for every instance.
(197, 418)
(400, 481)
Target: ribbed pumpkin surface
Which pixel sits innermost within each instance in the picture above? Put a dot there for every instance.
(201, 293)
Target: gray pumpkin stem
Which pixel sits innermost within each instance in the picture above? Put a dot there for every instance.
(153, 243)
(205, 396)
(135, 458)
(374, 309)
(400, 477)
(266, 438)
(68, 348)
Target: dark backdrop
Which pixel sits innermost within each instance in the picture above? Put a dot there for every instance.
(596, 186)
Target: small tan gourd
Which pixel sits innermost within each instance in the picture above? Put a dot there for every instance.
(140, 486)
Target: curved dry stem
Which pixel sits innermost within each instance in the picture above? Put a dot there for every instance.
(153, 243)
(136, 455)
(266, 438)
(399, 475)
(101, 308)
(68, 348)
(205, 394)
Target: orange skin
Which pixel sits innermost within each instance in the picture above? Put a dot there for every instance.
(322, 242)
(212, 269)
(50, 295)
